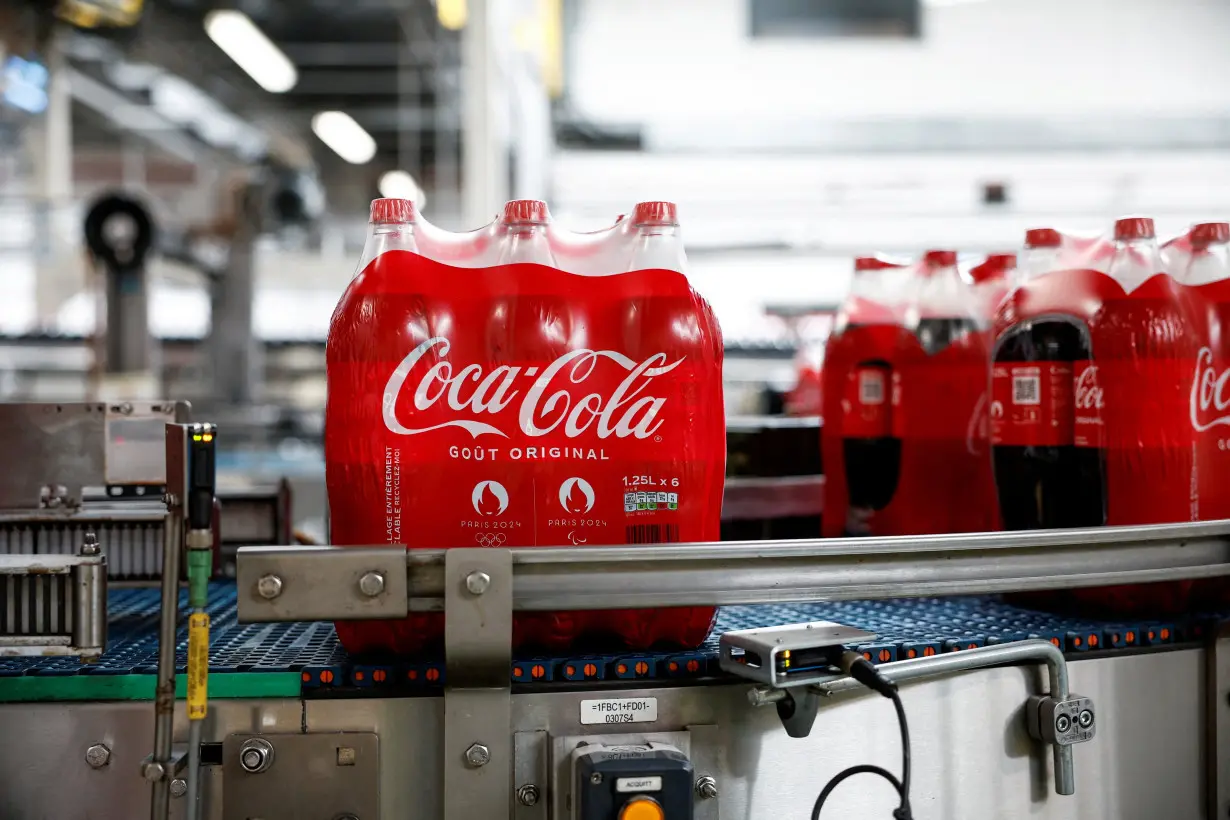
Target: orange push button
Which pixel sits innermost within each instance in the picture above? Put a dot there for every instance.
(641, 808)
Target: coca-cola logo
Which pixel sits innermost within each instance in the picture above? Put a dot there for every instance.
(1209, 393)
(545, 406)
(1088, 394)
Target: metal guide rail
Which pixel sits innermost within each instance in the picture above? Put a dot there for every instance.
(479, 589)
(341, 583)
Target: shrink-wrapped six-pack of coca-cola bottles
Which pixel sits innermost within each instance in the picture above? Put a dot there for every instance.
(525, 386)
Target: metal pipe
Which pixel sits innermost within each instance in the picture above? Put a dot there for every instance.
(194, 768)
(164, 692)
(1031, 651)
(90, 605)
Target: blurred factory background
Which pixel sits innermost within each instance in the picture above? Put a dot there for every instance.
(792, 133)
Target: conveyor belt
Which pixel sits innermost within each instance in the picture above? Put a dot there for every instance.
(288, 660)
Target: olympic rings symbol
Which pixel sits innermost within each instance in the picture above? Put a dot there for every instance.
(490, 539)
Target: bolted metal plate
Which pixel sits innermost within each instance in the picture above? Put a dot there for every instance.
(326, 775)
(321, 583)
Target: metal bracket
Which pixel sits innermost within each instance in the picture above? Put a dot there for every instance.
(1060, 721)
(787, 656)
(477, 698)
(322, 583)
(329, 775)
(797, 710)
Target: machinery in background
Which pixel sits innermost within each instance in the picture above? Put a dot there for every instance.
(119, 233)
(76, 471)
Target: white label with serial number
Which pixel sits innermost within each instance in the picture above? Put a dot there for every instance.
(630, 710)
(626, 785)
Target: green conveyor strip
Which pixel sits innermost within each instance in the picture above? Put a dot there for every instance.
(41, 688)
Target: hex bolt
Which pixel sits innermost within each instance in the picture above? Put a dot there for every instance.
(179, 787)
(596, 778)
(765, 695)
(527, 795)
(153, 771)
(269, 587)
(1062, 724)
(371, 584)
(1085, 718)
(478, 755)
(98, 756)
(478, 582)
(706, 788)
(255, 755)
(89, 545)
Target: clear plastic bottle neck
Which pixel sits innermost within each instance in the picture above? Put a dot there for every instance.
(657, 247)
(387, 236)
(1135, 261)
(527, 243)
(1210, 263)
(1037, 262)
(939, 292)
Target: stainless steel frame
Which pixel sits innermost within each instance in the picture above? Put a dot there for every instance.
(480, 588)
(973, 757)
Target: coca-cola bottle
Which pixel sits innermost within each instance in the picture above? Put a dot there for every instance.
(391, 229)
(940, 309)
(992, 281)
(1205, 271)
(656, 249)
(1037, 466)
(945, 468)
(870, 452)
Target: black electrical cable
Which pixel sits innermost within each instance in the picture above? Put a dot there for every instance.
(866, 673)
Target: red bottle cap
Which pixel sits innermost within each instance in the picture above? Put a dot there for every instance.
(862, 263)
(655, 213)
(392, 211)
(523, 211)
(1043, 238)
(1210, 233)
(994, 268)
(940, 259)
(1133, 227)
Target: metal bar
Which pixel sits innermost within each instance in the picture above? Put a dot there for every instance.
(157, 770)
(477, 700)
(1217, 733)
(749, 572)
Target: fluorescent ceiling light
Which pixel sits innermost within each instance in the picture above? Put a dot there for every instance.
(247, 45)
(346, 137)
(938, 4)
(400, 185)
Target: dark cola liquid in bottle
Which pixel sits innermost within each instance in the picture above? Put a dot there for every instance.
(872, 453)
(1038, 469)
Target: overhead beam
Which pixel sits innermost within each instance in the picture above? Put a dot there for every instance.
(361, 55)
